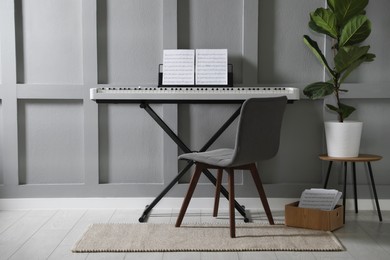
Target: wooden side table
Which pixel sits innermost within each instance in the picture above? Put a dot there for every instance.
(364, 158)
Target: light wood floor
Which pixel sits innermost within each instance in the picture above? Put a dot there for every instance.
(50, 234)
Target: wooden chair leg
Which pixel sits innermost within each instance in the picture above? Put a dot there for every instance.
(217, 192)
(190, 192)
(260, 190)
(231, 204)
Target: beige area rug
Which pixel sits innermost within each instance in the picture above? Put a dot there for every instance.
(166, 238)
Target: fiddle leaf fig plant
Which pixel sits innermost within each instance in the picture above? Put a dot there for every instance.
(346, 23)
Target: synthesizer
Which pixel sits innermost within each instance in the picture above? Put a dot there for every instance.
(188, 94)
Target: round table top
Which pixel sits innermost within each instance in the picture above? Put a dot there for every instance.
(360, 158)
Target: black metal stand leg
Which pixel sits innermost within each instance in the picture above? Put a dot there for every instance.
(221, 130)
(345, 189)
(327, 174)
(374, 190)
(185, 149)
(165, 127)
(354, 186)
(149, 207)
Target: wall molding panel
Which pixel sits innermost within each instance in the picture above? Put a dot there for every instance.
(57, 143)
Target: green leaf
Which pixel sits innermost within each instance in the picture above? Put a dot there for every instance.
(318, 90)
(365, 58)
(333, 108)
(346, 56)
(343, 109)
(331, 4)
(346, 9)
(325, 20)
(346, 110)
(318, 53)
(315, 28)
(355, 30)
(370, 57)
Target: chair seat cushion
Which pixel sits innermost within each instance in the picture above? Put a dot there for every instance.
(219, 157)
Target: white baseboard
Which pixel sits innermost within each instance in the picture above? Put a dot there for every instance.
(165, 203)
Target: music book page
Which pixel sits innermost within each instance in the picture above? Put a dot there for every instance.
(211, 67)
(324, 199)
(178, 67)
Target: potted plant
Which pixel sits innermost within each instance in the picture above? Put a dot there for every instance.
(346, 23)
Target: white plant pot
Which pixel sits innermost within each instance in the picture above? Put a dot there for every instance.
(343, 139)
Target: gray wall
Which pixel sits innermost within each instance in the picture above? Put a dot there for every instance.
(55, 142)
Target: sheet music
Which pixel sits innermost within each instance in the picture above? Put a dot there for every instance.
(211, 67)
(324, 199)
(178, 67)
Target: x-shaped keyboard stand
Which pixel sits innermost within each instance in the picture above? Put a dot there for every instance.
(185, 149)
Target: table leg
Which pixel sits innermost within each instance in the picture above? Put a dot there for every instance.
(345, 189)
(354, 185)
(327, 174)
(374, 190)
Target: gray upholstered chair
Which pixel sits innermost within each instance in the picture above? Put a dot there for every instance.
(257, 139)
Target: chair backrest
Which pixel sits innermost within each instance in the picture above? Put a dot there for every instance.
(258, 131)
